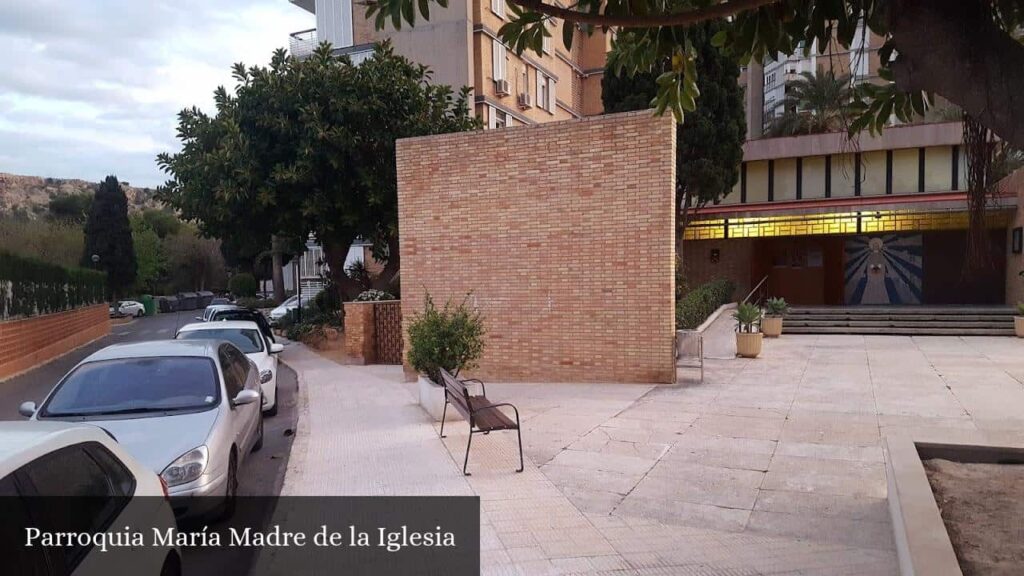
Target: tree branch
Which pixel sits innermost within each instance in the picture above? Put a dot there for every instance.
(685, 18)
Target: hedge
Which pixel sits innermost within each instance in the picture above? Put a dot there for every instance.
(30, 287)
(697, 304)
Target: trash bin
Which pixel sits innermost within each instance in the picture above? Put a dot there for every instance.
(169, 304)
(188, 301)
(149, 304)
(205, 296)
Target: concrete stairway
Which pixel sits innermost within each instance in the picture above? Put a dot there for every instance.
(909, 320)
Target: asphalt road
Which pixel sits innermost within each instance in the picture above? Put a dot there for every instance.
(262, 474)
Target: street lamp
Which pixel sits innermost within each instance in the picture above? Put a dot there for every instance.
(95, 258)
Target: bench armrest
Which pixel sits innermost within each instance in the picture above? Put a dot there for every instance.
(495, 406)
(483, 389)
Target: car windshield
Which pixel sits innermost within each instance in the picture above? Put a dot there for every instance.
(136, 385)
(291, 301)
(248, 341)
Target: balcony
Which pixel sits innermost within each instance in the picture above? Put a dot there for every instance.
(302, 43)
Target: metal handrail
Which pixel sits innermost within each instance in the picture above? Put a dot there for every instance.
(756, 289)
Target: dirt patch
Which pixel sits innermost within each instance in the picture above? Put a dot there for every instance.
(983, 508)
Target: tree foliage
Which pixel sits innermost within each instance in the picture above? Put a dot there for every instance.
(814, 103)
(70, 208)
(709, 146)
(981, 60)
(305, 146)
(149, 255)
(108, 235)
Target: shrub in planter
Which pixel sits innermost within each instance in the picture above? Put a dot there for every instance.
(774, 310)
(748, 335)
(451, 338)
(695, 307)
(373, 296)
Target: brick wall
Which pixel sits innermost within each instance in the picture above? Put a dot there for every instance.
(563, 232)
(359, 332)
(734, 257)
(30, 342)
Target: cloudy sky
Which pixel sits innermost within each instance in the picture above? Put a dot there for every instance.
(93, 87)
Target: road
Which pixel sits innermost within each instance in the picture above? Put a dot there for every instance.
(262, 474)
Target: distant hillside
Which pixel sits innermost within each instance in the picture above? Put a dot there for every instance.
(30, 195)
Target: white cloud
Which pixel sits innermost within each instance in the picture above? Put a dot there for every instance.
(93, 87)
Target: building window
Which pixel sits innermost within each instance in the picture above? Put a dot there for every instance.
(524, 81)
(546, 41)
(498, 119)
(498, 7)
(545, 92)
(499, 57)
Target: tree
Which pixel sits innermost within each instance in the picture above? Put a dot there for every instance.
(193, 262)
(963, 50)
(814, 103)
(149, 254)
(709, 145)
(162, 222)
(309, 146)
(243, 285)
(70, 208)
(108, 237)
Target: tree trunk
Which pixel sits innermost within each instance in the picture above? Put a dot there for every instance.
(336, 252)
(954, 49)
(384, 280)
(277, 269)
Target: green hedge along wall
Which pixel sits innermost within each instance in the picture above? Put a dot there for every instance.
(30, 287)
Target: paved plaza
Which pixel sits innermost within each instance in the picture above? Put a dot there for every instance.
(770, 466)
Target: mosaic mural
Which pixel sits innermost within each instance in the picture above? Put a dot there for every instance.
(883, 269)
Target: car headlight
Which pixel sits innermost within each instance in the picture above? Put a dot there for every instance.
(187, 467)
(266, 376)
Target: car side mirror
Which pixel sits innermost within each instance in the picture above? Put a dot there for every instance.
(27, 409)
(276, 348)
(246, 397)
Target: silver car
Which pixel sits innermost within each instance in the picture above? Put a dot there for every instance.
(187, 409)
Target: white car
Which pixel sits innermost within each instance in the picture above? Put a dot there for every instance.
(100, 488)
(288, 305)
(247, 337)
(128, 308)
(213, 309)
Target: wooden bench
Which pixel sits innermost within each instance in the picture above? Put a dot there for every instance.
(483, 416)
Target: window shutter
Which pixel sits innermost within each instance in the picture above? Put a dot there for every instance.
(498, 7)
(498, 65)
(551, 94)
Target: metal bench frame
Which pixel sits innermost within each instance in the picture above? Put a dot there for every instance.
(456, 394)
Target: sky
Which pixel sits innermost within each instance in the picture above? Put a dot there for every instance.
(93, 87)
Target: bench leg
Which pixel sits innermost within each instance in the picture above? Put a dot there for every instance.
(520, 435)
(465, 463)
(443, 414)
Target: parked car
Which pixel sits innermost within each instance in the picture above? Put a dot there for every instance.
(248, 338)
(209, 310)
(248, 314)
(288, 305)
(187, 409)
(128, 308)
(98, 487)
(221, 300)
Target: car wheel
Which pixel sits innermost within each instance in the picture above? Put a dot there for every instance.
(139, 314)
(273, 409)
(231, 495)
(259, 439)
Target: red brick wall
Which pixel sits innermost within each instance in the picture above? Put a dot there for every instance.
(30, 342)
(563, 232)
(734, 257)
(359, 332)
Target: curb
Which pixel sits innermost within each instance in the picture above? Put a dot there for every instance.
(300, 442)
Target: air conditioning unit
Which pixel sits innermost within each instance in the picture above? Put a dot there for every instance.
(525, 100)
(501, 87)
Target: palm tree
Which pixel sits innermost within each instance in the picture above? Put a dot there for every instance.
(814, 103)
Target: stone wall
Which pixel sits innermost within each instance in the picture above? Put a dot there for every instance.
(29, 342)
(561, 234)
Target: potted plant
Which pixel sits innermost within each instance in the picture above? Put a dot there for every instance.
(451, 338)
(748, 335)
(1018, 320)
(774, 310)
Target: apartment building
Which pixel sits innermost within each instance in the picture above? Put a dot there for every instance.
(461, 46)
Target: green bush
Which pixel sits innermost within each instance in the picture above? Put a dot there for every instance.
(695, 307)
(748, 317)
(327, 300)
(29, 287)
(248, 302)
(775, 307)
(243, 285)
(451, 338)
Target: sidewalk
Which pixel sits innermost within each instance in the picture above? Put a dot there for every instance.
(361, 432)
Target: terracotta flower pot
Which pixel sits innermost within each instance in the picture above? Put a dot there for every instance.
(1018, 326)
(748, 344)
(771, 326)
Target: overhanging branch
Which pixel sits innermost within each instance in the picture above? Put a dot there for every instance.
(684, 18)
